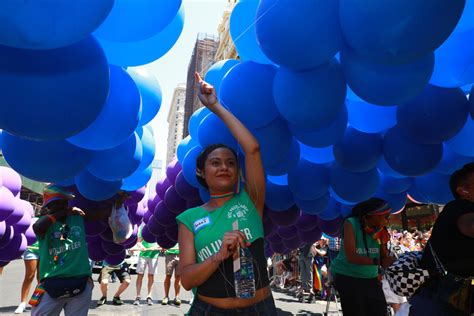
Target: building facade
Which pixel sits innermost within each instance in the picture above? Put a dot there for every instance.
(226, 48)
(201, 60)
(175, 121)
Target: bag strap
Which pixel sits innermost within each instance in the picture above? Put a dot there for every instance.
(438, 263)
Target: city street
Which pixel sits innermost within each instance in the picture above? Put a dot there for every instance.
(11, 280)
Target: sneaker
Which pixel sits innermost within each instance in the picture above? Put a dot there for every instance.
(21, 308)
(149, 301)
(102, 301)
(117, 301)
(177, 301)
(137, 301)
(165, 301)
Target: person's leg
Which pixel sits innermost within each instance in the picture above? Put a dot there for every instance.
(104, 282)
(167, 282)
(349, 291)
(139, 283)
(374, 299)
(167, 285)
(49, 306)
(123, 286)
(30, 270)
(79, 305)
(124, 277)
(151, 282)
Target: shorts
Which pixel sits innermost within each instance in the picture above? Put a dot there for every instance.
(147, 263)
(390, 296)
(30, 255)
(121, 272)
(171, 263)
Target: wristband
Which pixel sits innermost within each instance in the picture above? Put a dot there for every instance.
(376, 261)
(51, 218)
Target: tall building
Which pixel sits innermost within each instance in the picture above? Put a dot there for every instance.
(175, 121)
(201, 60)
(226, 48)
(156, 175)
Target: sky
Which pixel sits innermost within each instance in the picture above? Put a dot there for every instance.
(200, 16)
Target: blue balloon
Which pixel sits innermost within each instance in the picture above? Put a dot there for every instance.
(385, 169)
(119, 162)
(391, 185)
(466, 23)
(1, 139)
(49, 24)
(454, 61)
(96, 189)
(242, 31)
(119, 117)
(310, 99)
(44, 161)
(386, 84)
(189, 165)
(358, 151)
(278, 197)
(434, 187)
(313, 207)
(195, 121)
(309, 181)
(451, 161)
(399, 31)
(138, 179)
(288, 161)
(131, 21)
(148, 142)
(434, 116)
(256, 107)
(471, 102)
(416, 197)
(408, 158)
(370, 118)
(339, 199)
(463, 142)
(129, 54)
(150, 91)
(204, 194)
(325, 136)
(317, 155)
(275, 140)
(299, 34)
(216, 73)
(213, 131)
(332, 211)
(395, 201)
(354, 187)
(52, 94)
(184, 146)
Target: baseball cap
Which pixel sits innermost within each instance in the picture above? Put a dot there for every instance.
(53, 193)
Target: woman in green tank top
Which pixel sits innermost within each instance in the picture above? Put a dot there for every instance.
(208, 240)
(363, 249)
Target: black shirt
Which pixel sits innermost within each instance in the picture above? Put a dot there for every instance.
(454, 249)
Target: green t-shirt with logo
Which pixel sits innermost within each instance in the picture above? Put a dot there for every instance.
(63, 250)
(209, 227)
(34, 247)
(173, 251)
(342, 266)
(151, 254)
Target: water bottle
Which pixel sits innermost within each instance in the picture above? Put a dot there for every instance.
(244, 277)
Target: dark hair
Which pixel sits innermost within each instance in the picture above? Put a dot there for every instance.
(201, 161)
(459, 178)
(363, 208)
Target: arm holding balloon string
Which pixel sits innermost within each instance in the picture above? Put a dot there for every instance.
(255, 176)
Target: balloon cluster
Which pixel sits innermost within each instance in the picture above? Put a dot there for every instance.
(348, 99)
(16, 230)
(72, 113)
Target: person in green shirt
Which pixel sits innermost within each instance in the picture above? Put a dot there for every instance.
(171, 264)
(64, 266)
(230, 222)
(363, 249)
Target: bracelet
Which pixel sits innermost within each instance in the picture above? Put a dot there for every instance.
(376, 261)
(51, 218)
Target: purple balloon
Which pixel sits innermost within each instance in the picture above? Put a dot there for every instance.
(147, 216)
(269, 228)
(132, 241)
(136, 196)
(285, 218)
(309, 237)
(3, 227)
(292, 243)
(147, 235)
(7, 236)
(93, 240)
(278, 247)
(3, 263)
(107, 235)
(162, 186)
(172, 170)
(165, 242)
(172, 233)
(11, 180)
(7, 203)
(195, 203)
(287, 232)
(331, 227)
(307, 222)
(22, 225)
(17, 213)
(30, 235)
(275, 238)
(96, 252)
(111, 248)
(152, 202)
(164, 216)
(95, 228)
(14, 249)
(185, 190)
(175, 203)
(155, 227)
(135, 219)
(116, 259)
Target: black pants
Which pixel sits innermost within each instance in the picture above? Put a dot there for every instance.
(263, 308)
(360, 297)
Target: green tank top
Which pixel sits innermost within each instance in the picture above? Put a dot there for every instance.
(342, 266)
(151, 254)
(209, 227)
(63, 250)
(173, 251)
